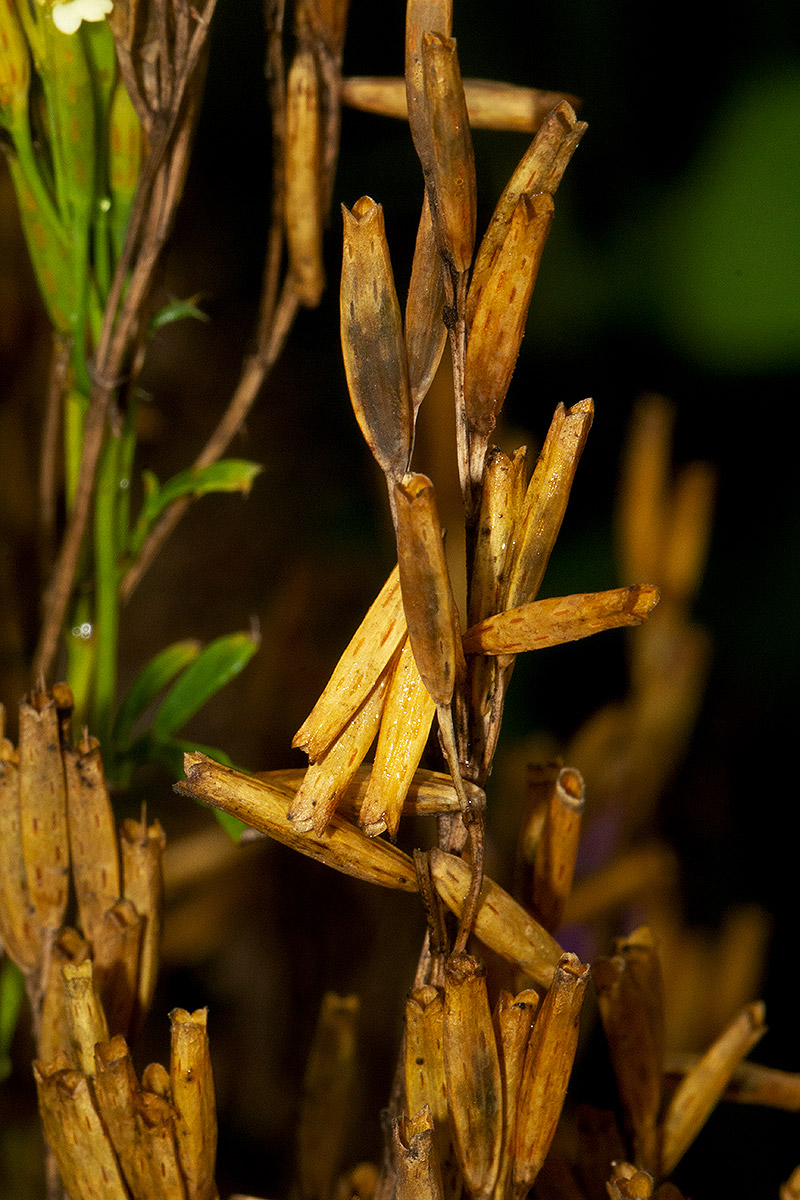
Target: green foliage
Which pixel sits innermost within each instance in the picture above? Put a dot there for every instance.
(12, 995)
(227, 475)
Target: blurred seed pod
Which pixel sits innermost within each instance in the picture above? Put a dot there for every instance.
(372, 339)
(327, 1096)
(303, 164)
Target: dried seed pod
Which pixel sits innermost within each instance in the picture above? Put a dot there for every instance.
(92, 836)
(303, 162)
(425, 1082)
(87, 1020)
(628, 1183)
(156, 1079)
(649, 868)
(599, 1144)
(500, 922)
(343, 846)
(405, 724)
(327, 779)
(498, 322)
(472, 1070)
(193, 1097)
(359, 1183)
(688, 531)
(547, 1068)
(431, 614)
(327, 1088)
(55, 1033)
(422, 16)
(76, 1135)
(630, 994)
(374, 643)
(490, 105)
(540, 170)
(641, 509)
(156, 1132)
(19, 931)
(372, 339)
(446, 154)
(540, 785)
(419, 1175)
(116, 1089)
(546, 499)
(425, 330)
(513, 1019)
(563, 619)
(702, 1087)
(557, 849)
(429, 793)
(43, 809)
(142, 848)
(750, 1082)
(117, 949)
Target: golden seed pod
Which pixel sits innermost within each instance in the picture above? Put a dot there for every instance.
(422, 16)
(630, 995)
(327, 1095)
(540, 170)
(156, 1131)
(546, 499)
(425, 1081)
(193, 1097)
(55, 1034)
(700, 1090)
(500, 923)
(367, 655)
(92, 836)
(501, 498)
(303, 205)
(116, 1089)
(431, 614)
(472, 1070)
(85, 1015)
(562, 619)
(19, 931)
(490, 104)
(627, 1182)
(688, 531)
(425, 330)
(498, 322)
(343, 846)
(429, 793)
(76, 1135)
(419, 1175)
(546, 1072)
(446, 154)
(513, 1020)
(142, 848)
(405, 724)
(750, 1083)
(372, 339)
(156, 1079)
(43, 809)
(328, 779)
(557, 849)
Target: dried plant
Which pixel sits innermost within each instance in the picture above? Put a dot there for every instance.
(493, 1013)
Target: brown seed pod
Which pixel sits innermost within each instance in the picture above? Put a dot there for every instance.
(43, 809)
(419, 1175)
(195, 1105)
(472, 1070)
(85, 1015)
(92, 836)
(303, 205)
(143, 849)
(372, 339)
(425, 1081)
(425, 330)
(18, 928)
(557, 849)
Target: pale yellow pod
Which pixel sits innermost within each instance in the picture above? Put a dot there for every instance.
(195, 1105)
(405, 724)
(369, 651)
(156, 1130)
(421, 17)
(87, 1020)
(472, 1070)
(343, 846)
(43, 809)
(303, 172)
(373, 346)
(55, 1032)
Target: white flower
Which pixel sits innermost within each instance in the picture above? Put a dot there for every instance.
(68, 14)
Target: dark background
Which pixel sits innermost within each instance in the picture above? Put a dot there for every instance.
(673, 266)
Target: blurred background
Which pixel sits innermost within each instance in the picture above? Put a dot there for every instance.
(673, 266)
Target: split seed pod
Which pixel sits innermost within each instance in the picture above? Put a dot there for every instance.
(472, 1069)
(431, 614)
(92, 836)
(87, 1021)
(425, 1081)
(548, 1065)
(425, 330)
(372, 339)
(303, 160)
(195, 1106)
(498, 323)
(513, 1019)
(419, 1175)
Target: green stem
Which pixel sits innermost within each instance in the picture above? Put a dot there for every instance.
(107, 587)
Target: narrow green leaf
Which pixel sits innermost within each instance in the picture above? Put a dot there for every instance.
(227, 475)
(12, 995)
(151, 680)
(177, 310)
(220, 662)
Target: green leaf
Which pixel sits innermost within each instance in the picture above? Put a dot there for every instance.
(12, 995)
(177, 310)
(220, 662)
(171, 753)
(149, 683)
(227, 475)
